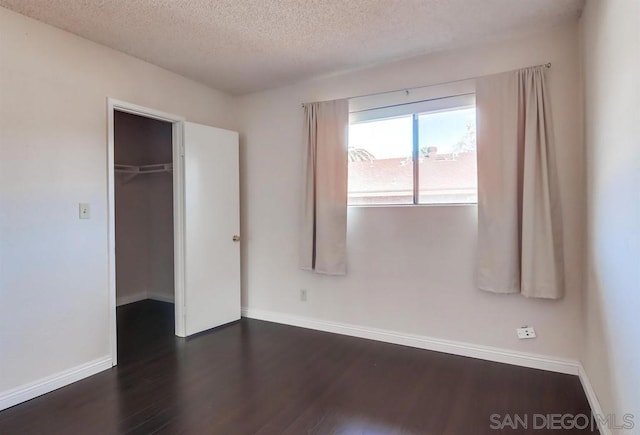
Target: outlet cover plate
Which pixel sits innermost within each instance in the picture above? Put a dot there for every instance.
(84, 210)
(526, 332)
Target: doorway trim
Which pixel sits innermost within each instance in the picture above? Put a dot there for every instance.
(178, 212)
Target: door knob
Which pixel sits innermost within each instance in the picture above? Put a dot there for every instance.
(236, 238)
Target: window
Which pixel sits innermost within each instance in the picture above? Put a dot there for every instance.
(417, 153)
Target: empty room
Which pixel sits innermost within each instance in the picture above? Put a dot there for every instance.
(320, 217)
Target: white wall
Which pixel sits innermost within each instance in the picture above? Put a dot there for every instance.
(133, 239)
(144, 238)
(611, 47)
(410, 269)
(53, 267)
(161, 276)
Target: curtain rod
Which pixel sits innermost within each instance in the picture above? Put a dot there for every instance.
(406, 90)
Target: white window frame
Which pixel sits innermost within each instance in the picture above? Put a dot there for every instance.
(415, 102)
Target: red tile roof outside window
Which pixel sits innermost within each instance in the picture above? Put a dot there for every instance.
(443, 178)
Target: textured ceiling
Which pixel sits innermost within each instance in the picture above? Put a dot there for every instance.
(241, 46)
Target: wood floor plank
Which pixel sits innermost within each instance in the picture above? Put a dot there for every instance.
(254, 377)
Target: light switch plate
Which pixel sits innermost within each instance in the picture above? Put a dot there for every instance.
(84, 210)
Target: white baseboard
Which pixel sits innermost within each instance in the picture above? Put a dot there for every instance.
(594, 403)
(129, 299)
(160, 297)
(34, 389)
(422, 342)
(137, 297)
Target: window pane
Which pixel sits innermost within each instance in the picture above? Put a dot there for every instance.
(380, 161)
(447, 150)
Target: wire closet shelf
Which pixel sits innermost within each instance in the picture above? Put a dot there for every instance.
(133, 171)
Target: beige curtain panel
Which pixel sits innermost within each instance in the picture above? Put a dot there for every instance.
(324, 214)
(519, 219)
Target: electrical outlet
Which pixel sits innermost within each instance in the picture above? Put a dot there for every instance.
(526, 332)
(84, 211)
(303, 295)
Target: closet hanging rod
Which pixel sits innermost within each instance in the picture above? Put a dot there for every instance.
(407, 90)
(133, 171)
(144, 169)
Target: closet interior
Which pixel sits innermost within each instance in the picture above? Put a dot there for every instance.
(144, 233)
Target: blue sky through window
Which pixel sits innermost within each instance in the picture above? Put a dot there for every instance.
(392, 137)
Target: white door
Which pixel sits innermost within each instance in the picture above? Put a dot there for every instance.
(212, 222)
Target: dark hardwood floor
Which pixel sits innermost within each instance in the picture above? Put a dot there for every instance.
(256, 377)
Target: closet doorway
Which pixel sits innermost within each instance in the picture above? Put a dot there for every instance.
(173, 219)
(144, 231)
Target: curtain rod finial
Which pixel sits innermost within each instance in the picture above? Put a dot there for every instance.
(548, 64)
